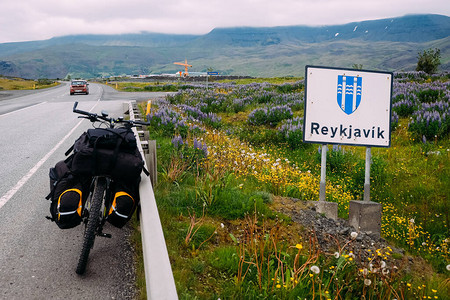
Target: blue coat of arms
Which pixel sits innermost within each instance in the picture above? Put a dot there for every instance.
(349, 90)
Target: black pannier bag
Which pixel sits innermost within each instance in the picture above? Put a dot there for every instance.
(104, 151)
(124, 200)
(68, 194)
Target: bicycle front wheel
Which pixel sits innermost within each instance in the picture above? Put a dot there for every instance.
(92, 224)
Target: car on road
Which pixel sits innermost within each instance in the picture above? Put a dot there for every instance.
(79, 86)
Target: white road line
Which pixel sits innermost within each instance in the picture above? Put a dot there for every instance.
(19, 110)
(5, 198)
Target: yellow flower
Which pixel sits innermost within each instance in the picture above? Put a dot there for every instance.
(299, 246)
(278, 286)
(434, 291)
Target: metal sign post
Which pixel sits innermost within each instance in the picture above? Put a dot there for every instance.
(367, 176)
(349, 107)
(323, 172)
(208, 74)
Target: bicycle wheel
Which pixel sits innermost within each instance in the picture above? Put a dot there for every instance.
(92, 224)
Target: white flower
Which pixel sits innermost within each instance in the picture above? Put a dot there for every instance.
(383, 264)
(336, 254)
(221, 225)
(354, 235)
(365, 272)
(315, 269)
(411, 221)
(367, 282)
(448, 267)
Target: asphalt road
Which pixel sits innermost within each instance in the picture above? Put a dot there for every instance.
(37, 259)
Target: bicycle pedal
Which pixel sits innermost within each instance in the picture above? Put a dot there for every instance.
(106, 235)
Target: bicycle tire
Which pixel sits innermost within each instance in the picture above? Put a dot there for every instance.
(92, 225)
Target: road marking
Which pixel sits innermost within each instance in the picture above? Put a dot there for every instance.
(33, 170)
(19, 110)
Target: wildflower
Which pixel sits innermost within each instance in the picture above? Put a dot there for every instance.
(354, 235)
(448, 267)
(278, 286)
(315, 269)
(336, 254)
(434, 291)
(383, 264)
(367, 282)
(221, 225)
(299, 246)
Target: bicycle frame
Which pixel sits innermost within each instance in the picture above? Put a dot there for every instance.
(95, 212)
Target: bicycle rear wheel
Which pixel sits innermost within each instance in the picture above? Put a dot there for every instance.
(92, 224)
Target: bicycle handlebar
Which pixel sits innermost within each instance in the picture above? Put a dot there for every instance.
(93, 117)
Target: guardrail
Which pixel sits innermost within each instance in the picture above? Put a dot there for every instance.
(160, 283)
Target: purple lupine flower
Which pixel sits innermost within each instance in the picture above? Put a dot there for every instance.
(177, 141)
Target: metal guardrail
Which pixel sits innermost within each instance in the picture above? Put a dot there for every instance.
(160, 283)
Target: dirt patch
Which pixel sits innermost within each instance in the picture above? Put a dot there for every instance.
(338, 236)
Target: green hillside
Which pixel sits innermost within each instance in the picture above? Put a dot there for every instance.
(388, 44)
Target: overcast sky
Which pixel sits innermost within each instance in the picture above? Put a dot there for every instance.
(27, 20)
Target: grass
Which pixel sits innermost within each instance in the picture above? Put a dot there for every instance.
(146, 86)
(10, 83)
(273, 80)
(226, 239)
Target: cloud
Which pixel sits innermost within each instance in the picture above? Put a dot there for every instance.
(34, 20)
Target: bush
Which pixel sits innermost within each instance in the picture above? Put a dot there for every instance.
(431, 124)
(429, 61)
(45, 81)
(291, 133)
(430, 95)
(405, 107)
(270, 116)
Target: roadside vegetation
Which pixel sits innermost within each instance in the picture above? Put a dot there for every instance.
(13, 83)
(227, 153)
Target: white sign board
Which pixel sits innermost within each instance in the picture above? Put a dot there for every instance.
(345, 106)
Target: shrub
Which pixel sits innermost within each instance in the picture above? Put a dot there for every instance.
(429, 60)
(196, 114)
(430, 95)
(270, 116)
(394, 121)
(430, 123)
(405, 107)
(291, 133)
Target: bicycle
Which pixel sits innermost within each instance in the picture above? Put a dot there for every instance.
(94, 213)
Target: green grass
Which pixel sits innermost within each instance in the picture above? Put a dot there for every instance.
(11, 83)
(273, 80)
(226, 240)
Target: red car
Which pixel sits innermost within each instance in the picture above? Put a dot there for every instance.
(79, 86)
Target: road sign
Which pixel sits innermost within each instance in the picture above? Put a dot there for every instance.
(346, 106)
(213, 73)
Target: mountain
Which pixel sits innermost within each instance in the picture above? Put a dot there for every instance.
(386, 44)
